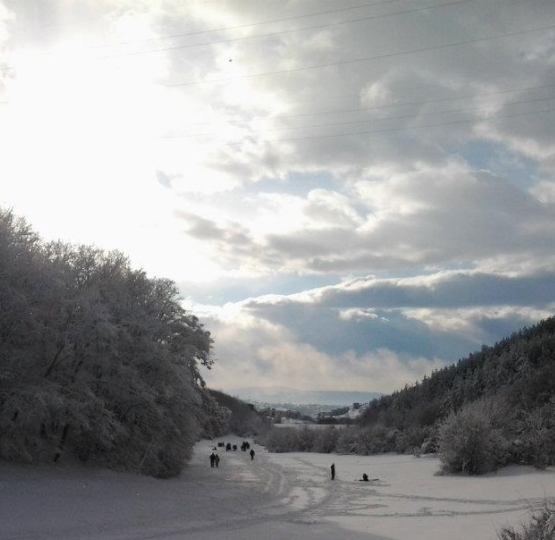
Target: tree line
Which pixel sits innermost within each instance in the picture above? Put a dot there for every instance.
(97, 360)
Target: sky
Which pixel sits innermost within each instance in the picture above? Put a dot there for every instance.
(348, 194)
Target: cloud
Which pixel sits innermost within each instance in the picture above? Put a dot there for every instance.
(403, 76)
(378, 333)
(251, 351)
(357, 314)
(444, 290)
(407, 220)
(368, 191)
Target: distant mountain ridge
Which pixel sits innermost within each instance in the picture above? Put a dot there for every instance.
(291, 395)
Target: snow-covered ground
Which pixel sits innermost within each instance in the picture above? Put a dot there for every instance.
(273, 497)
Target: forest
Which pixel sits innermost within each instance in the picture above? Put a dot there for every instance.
(495, 407)
(97, 360)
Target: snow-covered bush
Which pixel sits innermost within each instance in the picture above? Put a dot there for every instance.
(540, 527)
(282, 439)
(346, 442)
(536, 441)
(377, 439)
(472, 440)
(305, 439)
(325, 441)
(412, 438)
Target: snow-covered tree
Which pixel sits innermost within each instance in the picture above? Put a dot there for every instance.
(96, 358)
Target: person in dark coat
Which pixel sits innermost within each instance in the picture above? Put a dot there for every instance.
(217, 460)
(212, 459)
(332, 469)
(252, 454)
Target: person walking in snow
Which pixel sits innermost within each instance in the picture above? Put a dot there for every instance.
(252, 454)
(217, 460)
(212, 459)
(332, 469)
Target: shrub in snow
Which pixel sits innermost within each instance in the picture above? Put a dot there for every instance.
(413, 438)
(282, 439)
(305, 439)
(346, 441)
(326, 440)
(429, 445)
(540, 527)
(472, 440)
(536, 442)
(377, 439)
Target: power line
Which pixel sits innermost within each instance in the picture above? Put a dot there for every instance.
(367, 58)
(283, 32)
(406, 128)
(391, 105)
(214, 30)
(373, 58)
(390, 130)
(423, 102)
(372, 120)
(271, 34)
(399, 104)
(401, 117)
(388, 106)
(249, 25)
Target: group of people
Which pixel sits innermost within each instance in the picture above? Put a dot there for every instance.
(215, 458)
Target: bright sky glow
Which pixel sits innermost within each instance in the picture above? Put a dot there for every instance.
(356, 188)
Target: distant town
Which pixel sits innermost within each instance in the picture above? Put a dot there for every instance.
(295, 413)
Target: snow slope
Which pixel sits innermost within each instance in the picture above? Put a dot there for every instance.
(273, 497)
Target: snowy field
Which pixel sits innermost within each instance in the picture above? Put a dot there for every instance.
(273, 497)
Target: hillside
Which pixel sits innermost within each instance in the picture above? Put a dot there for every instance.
(520, 369)
(495, 407)
(242, 418)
